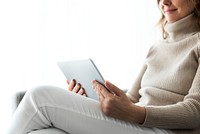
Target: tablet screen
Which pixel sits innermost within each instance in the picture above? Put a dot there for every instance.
(83, 71)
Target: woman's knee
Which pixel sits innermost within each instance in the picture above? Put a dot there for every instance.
(43, 90)
(42, 94)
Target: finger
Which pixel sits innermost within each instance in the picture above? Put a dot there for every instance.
(81, 91)
(113, 88)
(67, 82)
(100, 95)
(77, 88)
(71, 85)
(84, 94)
(104, 92)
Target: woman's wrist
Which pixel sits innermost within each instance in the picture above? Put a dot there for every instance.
(138, 114)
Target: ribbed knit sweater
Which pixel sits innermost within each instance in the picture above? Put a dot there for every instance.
(168, 85)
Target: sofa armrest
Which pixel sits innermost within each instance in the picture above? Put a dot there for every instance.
(17, 97)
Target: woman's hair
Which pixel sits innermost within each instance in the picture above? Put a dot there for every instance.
(162, 21)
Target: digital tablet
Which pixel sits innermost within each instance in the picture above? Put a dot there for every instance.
(83, 71)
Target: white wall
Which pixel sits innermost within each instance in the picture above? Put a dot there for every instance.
(35, 34)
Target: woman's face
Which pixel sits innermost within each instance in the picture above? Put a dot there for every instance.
(174, 10)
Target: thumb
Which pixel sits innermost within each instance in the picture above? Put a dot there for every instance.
(114, 89)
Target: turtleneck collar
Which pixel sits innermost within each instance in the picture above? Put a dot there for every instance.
(181, 28)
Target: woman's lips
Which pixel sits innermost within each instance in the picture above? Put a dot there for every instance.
(170, 10)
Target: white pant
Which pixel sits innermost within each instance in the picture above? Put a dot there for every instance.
(49, 106)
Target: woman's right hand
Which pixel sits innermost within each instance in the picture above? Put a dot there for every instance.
(76, 87)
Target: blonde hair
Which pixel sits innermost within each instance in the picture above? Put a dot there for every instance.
(163, 21)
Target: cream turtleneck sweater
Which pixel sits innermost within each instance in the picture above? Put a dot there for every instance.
(168, 85)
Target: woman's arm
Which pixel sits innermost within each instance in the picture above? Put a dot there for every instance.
(133, 93)
(182, 115)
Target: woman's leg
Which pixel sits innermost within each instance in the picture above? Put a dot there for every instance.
(48, 106)
(48, 131)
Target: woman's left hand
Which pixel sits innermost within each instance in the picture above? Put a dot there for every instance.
(115, 103)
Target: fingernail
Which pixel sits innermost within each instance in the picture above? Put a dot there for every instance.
(93, 81)
(107, 81)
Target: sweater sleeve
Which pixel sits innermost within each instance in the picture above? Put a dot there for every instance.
(185, 114)
(133, 93)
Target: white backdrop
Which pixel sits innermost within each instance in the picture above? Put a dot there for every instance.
(35, 34)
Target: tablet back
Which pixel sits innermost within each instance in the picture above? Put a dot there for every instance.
(83, 71)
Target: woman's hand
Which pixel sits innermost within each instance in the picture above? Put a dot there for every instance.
(115, 103)
(76, 87)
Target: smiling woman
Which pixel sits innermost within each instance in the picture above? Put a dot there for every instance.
(164, 98)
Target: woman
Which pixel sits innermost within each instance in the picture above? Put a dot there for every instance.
(165, 97)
